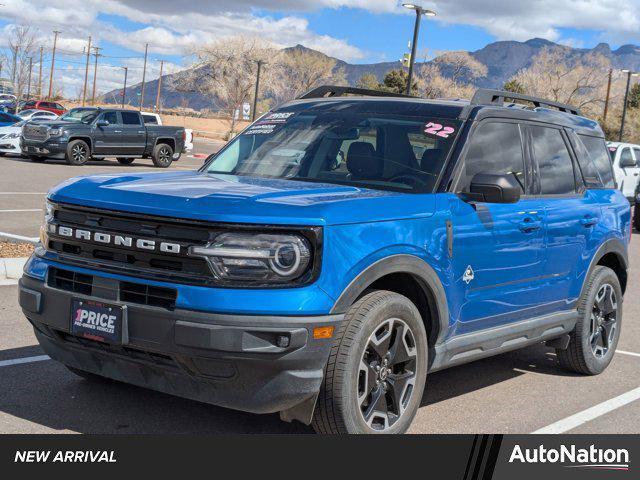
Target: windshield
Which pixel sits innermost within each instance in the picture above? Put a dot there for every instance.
(84, 115)
(335, 145)
(24, 113)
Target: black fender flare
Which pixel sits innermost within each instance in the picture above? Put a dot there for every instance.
(402, 263)
(613, 245)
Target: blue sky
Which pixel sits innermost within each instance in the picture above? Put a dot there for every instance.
(358, 31)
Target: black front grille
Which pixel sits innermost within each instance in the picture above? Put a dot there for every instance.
(70, 281)
(148, 295)
(154, 264)
(129, 292)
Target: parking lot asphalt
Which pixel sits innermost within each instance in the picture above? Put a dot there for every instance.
(517, 392)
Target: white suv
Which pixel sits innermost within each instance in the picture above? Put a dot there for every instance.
(626, 166)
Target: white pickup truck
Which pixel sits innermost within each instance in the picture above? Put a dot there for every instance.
(626, 167)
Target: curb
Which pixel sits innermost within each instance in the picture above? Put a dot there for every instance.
(11, 237)
(11, 269)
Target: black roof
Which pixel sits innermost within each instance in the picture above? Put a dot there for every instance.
(484, 104)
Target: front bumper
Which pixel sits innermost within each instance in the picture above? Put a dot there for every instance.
(53, 147)
(234, 361)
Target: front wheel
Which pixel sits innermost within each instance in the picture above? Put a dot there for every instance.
(595, 336)
(162, 155)
(78, 152)
(636, 218)
(377, 368)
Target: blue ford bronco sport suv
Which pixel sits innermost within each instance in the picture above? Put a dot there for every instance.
(338, 250)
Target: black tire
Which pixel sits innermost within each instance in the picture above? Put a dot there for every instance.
(125, 161)
(91, 377)
(353, 377)
(162, 155)
(37, 159)
(636, 218)
(78, 153)
(596, 325)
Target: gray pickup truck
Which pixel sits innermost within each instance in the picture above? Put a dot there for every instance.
(86, 134)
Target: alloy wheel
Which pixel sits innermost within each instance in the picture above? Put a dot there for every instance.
(79, 153)
(387, 374)
(604, 316)
(164, 155)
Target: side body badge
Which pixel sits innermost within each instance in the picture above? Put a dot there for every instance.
(468, 275)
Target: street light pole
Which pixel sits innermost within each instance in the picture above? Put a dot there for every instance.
(416, 30)
(255, 95)
(626, 99)
(124, 88)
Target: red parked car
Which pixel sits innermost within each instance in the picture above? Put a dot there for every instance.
(42, 105)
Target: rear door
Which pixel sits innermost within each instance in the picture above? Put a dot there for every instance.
(572, 213)
(134, 134)
(498, 260)
(628, 170)
(107, 140)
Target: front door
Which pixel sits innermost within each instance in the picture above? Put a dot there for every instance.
(497, 258)
(108, 139)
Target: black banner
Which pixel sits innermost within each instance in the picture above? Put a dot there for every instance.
(456, 457)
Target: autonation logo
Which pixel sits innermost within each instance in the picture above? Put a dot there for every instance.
(574, 457)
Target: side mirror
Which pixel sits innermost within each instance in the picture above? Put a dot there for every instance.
(628, 163)
(102, 123)
(494, 188)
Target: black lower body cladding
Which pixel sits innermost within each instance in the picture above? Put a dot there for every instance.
(259, 364)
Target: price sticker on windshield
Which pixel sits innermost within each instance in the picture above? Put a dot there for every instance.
(438, 130)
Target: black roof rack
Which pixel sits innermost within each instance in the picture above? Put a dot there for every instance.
(497, 97)
(326, 91)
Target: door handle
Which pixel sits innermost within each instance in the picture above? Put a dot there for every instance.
(589, 221)
(117, 131)
(529, 225)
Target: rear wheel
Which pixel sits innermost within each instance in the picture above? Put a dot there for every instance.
(162, 155)
(125, 161)
(595, 337)
(78, 152)
(377, 368)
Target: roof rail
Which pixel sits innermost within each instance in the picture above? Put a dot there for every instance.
(485, 96)
(326, 91)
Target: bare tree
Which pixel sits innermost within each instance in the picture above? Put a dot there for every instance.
(461, 67)
(226, 70)
(301, 70)
(579, 81)
(22, 45)
(449, 76)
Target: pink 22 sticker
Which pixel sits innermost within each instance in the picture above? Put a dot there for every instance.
(438, 130)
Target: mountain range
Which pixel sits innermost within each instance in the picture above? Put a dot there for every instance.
(503, 59)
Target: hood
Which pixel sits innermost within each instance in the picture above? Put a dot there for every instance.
(229, 198)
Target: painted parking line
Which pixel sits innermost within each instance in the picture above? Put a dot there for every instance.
(592, 413)
(22, 210)
(633, 354)
(18, 361)
(22, 193)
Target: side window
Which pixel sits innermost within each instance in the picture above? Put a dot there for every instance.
(555, 168)
(130, 118)
(57, 106)
(111, 117)
(636, 152)
(626, 156)
(495, 147)
(149, 120)
(599, 156)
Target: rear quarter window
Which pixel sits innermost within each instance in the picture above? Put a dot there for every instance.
(598, 156)
(149, 120)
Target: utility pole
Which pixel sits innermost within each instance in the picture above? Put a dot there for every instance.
(124, 89)
(29, 80)
(255, 95)
(159, 87)
(40, 75)
(53, 61)
(95, 74)
(626, 100)
(86, 73)
(144, 72)
(606, 102)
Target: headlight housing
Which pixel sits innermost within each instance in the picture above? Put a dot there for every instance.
(12, 135)
(48, 217)
(55, 132)
(258, 258)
